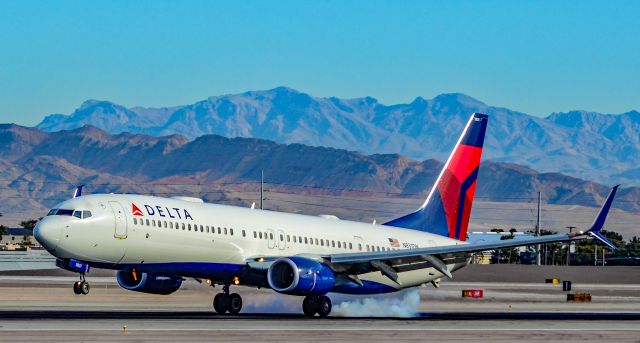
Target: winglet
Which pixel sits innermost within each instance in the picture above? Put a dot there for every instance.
(598, 223)
(78, 191)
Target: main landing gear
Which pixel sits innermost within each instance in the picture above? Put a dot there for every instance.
(82, 286)
(320, 304)
(225, 302)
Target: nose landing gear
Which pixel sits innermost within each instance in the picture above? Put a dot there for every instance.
(225, 302)
(320, 304)
(82, 286)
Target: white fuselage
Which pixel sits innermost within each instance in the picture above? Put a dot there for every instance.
(179, 232)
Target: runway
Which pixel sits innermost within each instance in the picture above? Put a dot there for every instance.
(420, 316)
(36, 308)
(287, 329)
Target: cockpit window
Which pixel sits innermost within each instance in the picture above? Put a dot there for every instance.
(76, 213)
(63, 212)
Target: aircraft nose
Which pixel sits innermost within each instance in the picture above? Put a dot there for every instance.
(47, 234)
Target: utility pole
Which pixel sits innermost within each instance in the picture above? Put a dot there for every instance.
(569, 245)
(595, 253)
(538, 229)
(262, 189)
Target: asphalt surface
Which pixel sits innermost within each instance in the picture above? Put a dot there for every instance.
(37, 308)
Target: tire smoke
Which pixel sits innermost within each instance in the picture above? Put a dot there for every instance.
(403, 304)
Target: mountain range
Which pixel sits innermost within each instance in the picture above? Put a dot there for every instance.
(581, 144)
(38, 169)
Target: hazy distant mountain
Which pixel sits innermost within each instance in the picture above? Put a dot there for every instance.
(38, 169)
(582, 144)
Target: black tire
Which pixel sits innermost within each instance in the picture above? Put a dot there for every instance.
(235, 303)
(76, 288)
(220, 303)
(309, 306)
(323, 306)
(84, 287)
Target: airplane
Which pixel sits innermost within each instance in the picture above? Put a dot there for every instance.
(155, 243)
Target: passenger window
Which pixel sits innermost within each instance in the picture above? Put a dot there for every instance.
(77, 214)
(231, 232)
(135, 221)
(339, 245)
(271, 236)
(86, 214)
(255, 235)
(360, 246)
(207, 228)
(294, 239)
(350, 246)
(219, 230)
(305, 241)
(147, 222)
(183, 226)
(333, 244)
(316, 241)
(225, 230)
(260, 235)
(153, 222)
(281, 238)
(244, 234)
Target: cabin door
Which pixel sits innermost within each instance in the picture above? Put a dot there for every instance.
(120, 220)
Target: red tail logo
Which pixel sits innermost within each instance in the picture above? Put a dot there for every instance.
(136, 211)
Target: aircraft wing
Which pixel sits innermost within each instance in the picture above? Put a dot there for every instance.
(391, 262)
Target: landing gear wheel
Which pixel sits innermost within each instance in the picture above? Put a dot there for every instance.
(309, 306)
(76, 288)
(84, 287)
(323, 306)
(221, 303)
(235, 303)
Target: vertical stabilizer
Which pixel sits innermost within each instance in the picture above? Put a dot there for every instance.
(447, 209)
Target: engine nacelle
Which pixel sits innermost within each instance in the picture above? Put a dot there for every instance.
(148, 283)
(300, 276)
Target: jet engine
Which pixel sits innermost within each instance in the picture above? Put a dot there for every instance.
(300, 276)
(148, 283)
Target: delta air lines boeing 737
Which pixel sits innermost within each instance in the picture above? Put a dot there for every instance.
(155, 243)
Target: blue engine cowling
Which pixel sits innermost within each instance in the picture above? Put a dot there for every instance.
(148, 283)
(300, 276)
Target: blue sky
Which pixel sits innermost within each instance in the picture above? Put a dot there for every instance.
(532, 56)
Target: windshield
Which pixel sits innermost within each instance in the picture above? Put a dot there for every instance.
(64, 212)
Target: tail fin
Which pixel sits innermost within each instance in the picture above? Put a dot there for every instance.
(447, 209)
